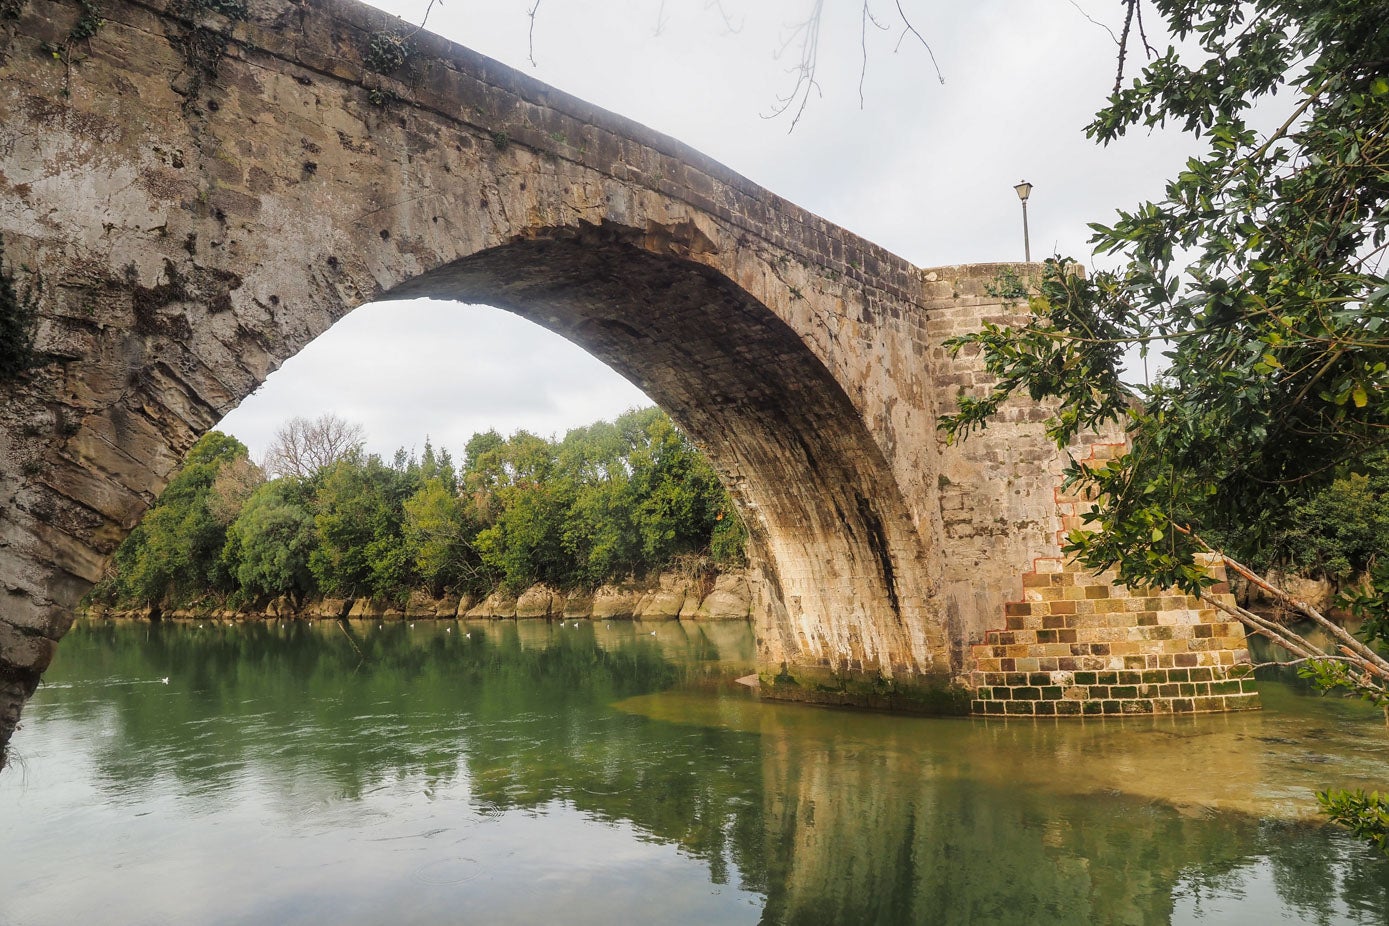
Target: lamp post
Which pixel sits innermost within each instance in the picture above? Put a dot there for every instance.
(1024, 190)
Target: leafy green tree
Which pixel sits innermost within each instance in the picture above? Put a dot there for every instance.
(670, 486)
(172, 558)
(434, 465)
(1258, 275)
(1339, 532)
(358, 515)
(269, 544)
(598, 530)
(523, 543)
(436, 535)
(611, 500)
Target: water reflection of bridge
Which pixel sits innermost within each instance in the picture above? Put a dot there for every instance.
(832, 816)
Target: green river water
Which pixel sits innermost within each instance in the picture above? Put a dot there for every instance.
(528, 772)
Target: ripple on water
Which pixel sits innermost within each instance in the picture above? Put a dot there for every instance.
(454, 870)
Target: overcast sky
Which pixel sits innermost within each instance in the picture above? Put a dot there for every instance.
(924, 168)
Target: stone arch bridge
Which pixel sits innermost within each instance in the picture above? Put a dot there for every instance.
(192, 190)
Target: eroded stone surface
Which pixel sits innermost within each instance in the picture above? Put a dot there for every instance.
(185, 225)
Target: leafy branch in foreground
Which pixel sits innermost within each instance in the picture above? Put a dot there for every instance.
(1258, 277)
(1366, 815)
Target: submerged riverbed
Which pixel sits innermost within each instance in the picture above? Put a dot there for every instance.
(525, 772)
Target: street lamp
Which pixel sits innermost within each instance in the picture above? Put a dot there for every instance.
(1024, 190)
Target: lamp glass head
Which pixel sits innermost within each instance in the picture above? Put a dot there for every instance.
(1024, 190)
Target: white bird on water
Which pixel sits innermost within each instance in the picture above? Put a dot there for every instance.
(164, 680)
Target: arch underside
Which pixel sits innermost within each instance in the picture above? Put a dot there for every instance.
(843, 569)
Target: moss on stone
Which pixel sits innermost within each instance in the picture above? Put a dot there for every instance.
(919, 694)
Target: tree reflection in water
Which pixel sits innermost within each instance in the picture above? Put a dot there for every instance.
(829, 816)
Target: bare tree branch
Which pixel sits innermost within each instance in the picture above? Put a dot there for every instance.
(1368, 659)
(908, 28)
(1133, 12)
(1143, 32)
(302, 447)
(1129, 7)
(866, 18)
(231, 487)
(1103, 26)
(420, 28)
(723, 14)
(806, 37)
(530, 36)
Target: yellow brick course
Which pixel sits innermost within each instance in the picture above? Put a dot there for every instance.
(1077, 644)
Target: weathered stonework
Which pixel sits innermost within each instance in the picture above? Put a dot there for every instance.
(185, 225)
(1078, 643)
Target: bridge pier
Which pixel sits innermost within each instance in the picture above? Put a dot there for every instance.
(1052, 639)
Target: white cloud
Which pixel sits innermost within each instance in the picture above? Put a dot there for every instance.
(407, 370)
(923, 168)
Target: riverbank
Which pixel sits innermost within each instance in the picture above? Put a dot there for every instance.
(722, 596)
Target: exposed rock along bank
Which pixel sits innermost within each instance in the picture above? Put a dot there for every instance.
(726, 597)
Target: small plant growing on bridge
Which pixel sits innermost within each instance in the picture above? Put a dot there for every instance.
(203, 45)
(232, 9)
(88, 23)
(387, 52)
(379, 96)
(1006, 284)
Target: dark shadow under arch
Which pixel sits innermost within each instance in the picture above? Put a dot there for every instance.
(829, 528)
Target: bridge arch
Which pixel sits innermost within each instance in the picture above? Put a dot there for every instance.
(182, 238)
(829, 528)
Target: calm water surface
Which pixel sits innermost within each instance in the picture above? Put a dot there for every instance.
(529, 773)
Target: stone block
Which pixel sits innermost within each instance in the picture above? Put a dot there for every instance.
(539, 601)
(613, 602)
(421, 605)
(23, 650)
(499, 604)
(730, 599)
